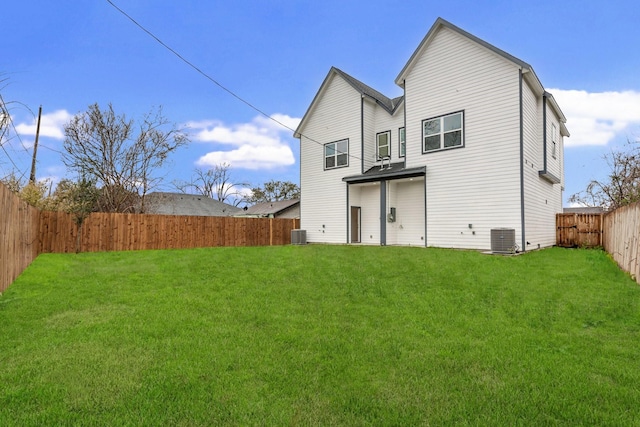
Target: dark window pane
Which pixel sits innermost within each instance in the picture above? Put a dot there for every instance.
(453, 139)
(432, 142)
(342, 159)
(330, 162)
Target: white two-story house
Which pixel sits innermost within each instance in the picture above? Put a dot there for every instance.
(472, 148)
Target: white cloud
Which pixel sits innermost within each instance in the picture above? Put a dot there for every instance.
(596, 118)
(51, 125)
(255, 145)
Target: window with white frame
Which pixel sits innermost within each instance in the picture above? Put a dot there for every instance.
(383, 145)
(336, 154)
(443, 132)
(403, 141)
(554, 144)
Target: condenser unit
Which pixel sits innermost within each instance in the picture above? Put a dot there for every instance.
(503, 240)
(298, 237)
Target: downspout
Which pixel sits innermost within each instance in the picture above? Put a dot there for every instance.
(523, 246)
(404, 113)
(362, 134)
(544, 132)
(383, 212)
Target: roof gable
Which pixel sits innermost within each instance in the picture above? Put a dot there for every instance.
(390, 105)
(435, 28)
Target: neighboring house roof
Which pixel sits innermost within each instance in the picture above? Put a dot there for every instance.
(270, 208)
(187, 204)
(584, 210)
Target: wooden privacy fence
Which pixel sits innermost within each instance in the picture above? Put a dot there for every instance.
(618, 232)
(622, 238)
(122, 232)
(18, 236)
(26, 232)
(579, 230)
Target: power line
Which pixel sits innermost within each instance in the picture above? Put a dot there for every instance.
(208, 77)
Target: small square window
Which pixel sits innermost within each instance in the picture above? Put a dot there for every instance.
(336, 154)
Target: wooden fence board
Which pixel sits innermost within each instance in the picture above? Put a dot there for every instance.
(18, 236)
(118, 232)
(579, 230)
(622, 238)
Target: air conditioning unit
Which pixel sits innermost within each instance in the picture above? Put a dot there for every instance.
(298, 237)
(503, 240)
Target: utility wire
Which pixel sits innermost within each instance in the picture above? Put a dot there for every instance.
(208, 77)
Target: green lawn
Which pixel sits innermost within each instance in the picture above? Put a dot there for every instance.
(321, 335)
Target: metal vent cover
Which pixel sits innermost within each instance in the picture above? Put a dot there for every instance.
(503, 240)
(298, 237)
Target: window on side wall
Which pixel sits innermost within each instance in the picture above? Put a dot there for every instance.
(336, 154)
(383, 145)
(554, 143)
(403, 141)
(444, 132)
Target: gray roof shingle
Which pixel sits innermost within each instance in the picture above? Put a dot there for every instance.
(187, 204)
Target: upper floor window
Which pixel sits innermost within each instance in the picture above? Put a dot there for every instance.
(554, 144)
(383, 145)
(443, 132)
(403, 141)
(336, 154)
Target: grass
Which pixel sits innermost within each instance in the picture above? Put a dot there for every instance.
(321, 335)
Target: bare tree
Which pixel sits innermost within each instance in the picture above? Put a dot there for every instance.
(4, 121)
(274, 191)
(622, 186)
(104, 148)
(4, 114)
(216, 183)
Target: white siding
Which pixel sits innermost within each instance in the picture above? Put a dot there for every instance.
(554, 165)
(480, 183)
(369, 119)
(387, 122)
(542, 198)
(407, 196)
(323, 205)
(370, 204)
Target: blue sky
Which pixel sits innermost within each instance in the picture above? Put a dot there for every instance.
(66, 55)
